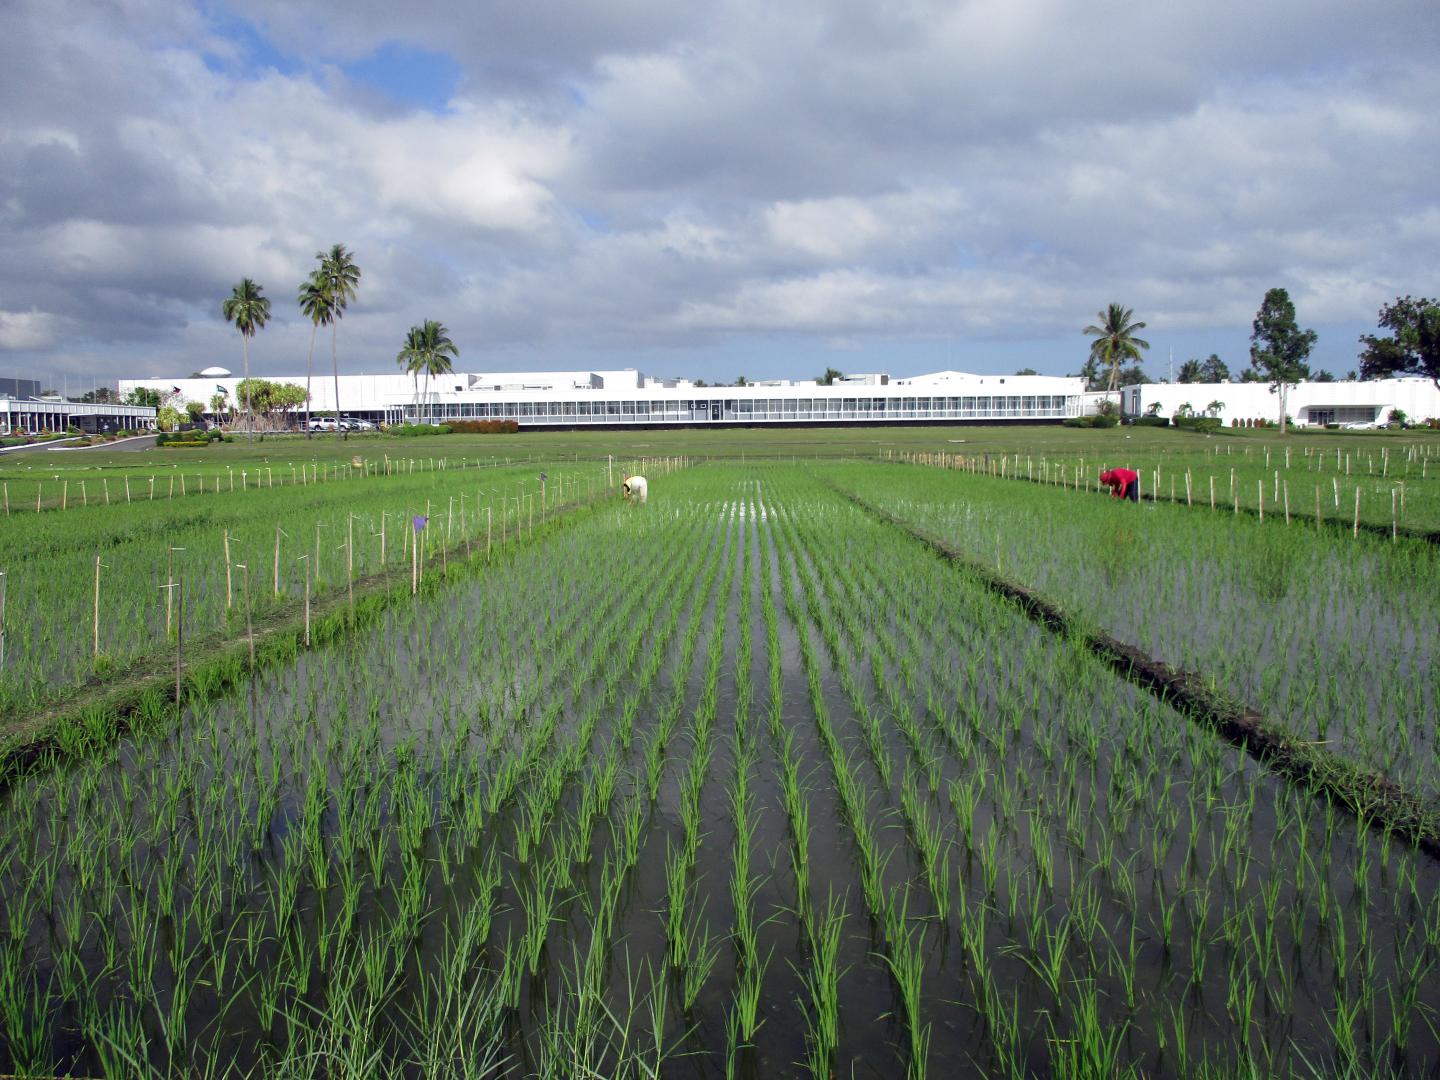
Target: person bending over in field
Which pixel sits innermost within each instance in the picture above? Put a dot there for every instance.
(1123, 483)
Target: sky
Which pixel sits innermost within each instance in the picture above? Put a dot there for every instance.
(743, 187)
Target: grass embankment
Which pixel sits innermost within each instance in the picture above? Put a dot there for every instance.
(1373, 798)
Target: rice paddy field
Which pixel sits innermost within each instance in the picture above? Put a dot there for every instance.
(760, 778)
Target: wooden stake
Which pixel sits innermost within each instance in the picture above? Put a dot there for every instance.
(228, 588)
(306, 560)
(95, 619)
(276, 579)
(249, 627)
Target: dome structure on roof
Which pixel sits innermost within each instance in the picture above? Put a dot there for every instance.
(216, 373)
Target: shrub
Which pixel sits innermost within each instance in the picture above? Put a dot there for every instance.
(1152, 421)
(484, 427)
(410, 430)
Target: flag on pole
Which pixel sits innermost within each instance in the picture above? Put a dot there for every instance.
(420, 521)
(220, 389)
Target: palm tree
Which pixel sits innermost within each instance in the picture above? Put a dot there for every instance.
(428, 351)
(314, 300)
(248, 309)
(341, 276)
(1115, 341)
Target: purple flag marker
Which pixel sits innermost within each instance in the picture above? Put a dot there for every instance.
(420, 522)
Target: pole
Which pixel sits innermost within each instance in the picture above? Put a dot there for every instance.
(228, 585)
(95, 619)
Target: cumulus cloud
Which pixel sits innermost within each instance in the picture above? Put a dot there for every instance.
(654, 179)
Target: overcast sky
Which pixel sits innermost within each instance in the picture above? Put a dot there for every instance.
(709, 190)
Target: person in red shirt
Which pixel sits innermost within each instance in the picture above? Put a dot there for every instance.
(1123, 483)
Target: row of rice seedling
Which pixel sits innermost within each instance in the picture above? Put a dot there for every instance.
(1332, 637)
(319, 828)
(1388, 486)
(89, 592)
(76, 482)
(1238, 888)
(742, 780)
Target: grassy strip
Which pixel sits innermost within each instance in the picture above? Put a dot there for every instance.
(142, 696)
(1371, 797)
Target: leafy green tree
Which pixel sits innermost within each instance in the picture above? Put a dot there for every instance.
(1115, 342)
(428, 351)
(219, 406)
(1215, 408)
(196, 411)
(342, 277)
(1190, 372)
(101, 395)
(1213, 369)
(1323, 376)
(271, 399)
(1027, 371)
(1413, 346)
(315, 305)
(167, 418)
(249, 310)
(1278, 347)
(828, 379)
(144, 397)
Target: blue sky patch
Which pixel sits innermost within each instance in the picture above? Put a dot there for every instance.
(409, 76)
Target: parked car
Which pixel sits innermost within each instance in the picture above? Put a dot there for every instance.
(353, 424)
(323, 423)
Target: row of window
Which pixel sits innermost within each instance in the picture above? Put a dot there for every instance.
(968, 408)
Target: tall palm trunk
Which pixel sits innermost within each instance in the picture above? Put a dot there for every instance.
(245, 350)
(335, 368)
(309, 367)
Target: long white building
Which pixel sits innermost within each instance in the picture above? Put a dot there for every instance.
(1349, 404)
(628, 398)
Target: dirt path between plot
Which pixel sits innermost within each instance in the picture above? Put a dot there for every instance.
(1370, 796)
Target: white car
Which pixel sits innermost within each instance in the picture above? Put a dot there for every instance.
(323, 423)
(358, 425)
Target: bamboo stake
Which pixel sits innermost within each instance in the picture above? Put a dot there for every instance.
(306, 560)
(488, 525)
(276, 582)
(350, 560)
(249, 626)
(2, 620)
(227, 571)
(95, 618)
(1355, 532)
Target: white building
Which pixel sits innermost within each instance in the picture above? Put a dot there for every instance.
(1349, 404)
(628, 398)
(35, 416)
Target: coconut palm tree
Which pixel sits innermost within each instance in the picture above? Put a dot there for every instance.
(1115, 341)
(314, 300)
(341, 275)
(428, 351)
(249, 310)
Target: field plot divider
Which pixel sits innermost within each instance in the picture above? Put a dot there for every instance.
(1373, 798)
